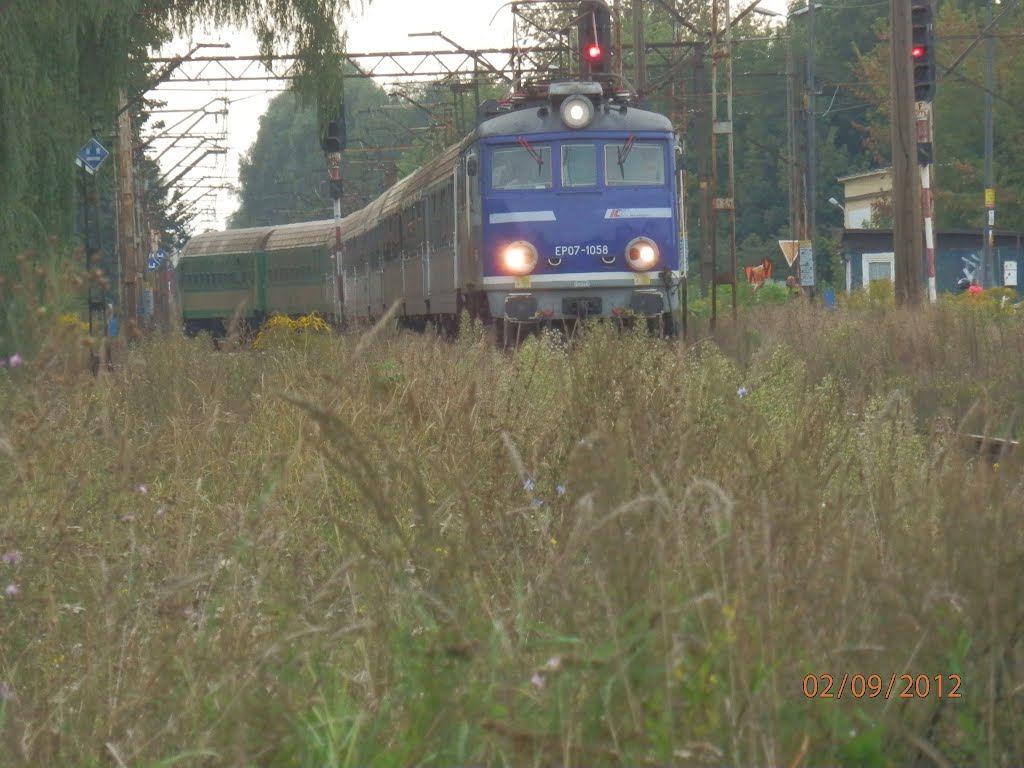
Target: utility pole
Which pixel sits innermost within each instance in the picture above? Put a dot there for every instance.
(680, 120)
(639, 50)
(722, 128)
(701, 92)
(713, 186)
(906, 192)
(617, 11)
(988, 265)
(725, 127)
(812, 134)
(126, 217)
(796, 219)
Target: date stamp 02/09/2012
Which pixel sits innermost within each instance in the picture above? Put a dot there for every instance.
(871, 686)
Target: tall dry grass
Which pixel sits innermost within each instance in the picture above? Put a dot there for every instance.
(404, 552)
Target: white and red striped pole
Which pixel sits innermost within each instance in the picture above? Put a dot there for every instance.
(334, 171)
(926, 163)
(333, 143)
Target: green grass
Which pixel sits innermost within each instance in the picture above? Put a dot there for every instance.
(396, 551)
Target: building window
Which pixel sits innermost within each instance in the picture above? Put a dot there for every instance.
(878, 266)
(859, 216)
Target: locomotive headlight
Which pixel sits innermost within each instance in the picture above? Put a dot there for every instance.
(519, 258)
(577, 112)
(642, 254)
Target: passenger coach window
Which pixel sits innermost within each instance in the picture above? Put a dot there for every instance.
(634, 164)
(527, 166)
(579, 165)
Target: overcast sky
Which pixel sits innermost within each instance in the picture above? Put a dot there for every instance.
(384, 25)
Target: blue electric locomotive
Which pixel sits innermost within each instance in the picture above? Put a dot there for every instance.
(562, 205)
(580, 209)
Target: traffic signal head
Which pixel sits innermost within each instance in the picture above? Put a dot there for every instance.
(922, 53)
(335, 138)
(594, 28)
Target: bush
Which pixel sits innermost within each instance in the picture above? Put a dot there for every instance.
(283, 329)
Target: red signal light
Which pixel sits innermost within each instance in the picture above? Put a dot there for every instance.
(917, 52)
(594, 52)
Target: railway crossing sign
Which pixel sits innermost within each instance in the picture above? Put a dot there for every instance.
(91, 156)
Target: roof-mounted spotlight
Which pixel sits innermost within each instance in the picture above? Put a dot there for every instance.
(577, 112)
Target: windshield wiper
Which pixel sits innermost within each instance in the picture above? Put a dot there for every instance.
(533, 153)
(624, 151)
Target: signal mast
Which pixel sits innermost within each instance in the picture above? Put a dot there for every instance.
(593, 50)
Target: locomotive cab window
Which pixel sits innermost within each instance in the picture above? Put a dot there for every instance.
(527, 166)
(579, 165)
(634, 164)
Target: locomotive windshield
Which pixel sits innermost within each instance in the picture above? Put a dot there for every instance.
(626, 163)
(527, 166)
(634, 163)
(579, 165)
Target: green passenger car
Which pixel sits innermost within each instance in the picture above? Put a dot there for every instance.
(245, 275)
(300, 272)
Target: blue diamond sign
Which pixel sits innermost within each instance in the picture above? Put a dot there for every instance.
(152, 264)
(160, 255)
(91, 156)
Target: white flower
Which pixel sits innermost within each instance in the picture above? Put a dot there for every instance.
(13, 557)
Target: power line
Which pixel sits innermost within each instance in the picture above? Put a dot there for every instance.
(1008, 6)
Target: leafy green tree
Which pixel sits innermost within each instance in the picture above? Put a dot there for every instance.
(283, 177)
(62, 66)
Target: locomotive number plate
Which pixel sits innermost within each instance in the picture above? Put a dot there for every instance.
(522, 282)
(641, 279)
(562, 251)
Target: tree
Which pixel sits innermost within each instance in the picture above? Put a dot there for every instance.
(63, 64)
(283, 176)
